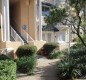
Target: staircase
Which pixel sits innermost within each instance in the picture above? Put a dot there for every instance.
(15, 36)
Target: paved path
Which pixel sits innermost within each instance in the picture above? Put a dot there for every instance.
(45, 70)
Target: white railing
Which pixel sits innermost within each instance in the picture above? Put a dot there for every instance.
(26, 36)
(15, 36)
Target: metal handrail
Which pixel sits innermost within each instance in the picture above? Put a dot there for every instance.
(27, 37)
(15, 35)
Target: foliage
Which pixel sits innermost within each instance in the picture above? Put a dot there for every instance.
(78, 4)
(26, 50)
(79, 56)
(55, 54)
(83, 37)
(26, 64)
(49, 47)
(53, 18)
(7, 70)
(67, 69)
(76, 46)
(4, 57)
(67, 16)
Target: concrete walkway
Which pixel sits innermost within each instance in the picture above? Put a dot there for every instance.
(45, 70)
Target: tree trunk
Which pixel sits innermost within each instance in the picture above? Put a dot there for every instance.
(82, 41)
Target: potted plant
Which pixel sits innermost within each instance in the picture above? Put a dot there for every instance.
(68, 70)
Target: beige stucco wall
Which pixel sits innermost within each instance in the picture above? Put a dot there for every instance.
(38, 44)
(13, 45)
(23, 12)
(32, 20)
(15, 16)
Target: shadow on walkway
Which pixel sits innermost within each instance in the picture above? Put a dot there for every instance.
(47, 72)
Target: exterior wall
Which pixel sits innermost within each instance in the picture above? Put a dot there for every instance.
(59, 37)
(15, 16)
(13, 45)
(38, 44)
(32, 20)
(0, 17)
(53, 38)
(50, 1)
(23, 14)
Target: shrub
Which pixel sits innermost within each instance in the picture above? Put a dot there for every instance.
(67, 70)
(3, 57)
(7, 70)
(83, 37)
(49, 47)
(26, 50)
(78, 55)
(55, 54)
(26, 64)
(76, 46)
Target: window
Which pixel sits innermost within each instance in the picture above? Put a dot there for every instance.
(49, 37)
(45, 10)
(61, 36)
(43, 35)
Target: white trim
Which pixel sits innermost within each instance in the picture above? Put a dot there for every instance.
(1, 28)
(8, 21)
(35, 18)
(4, 30)
(40, 20)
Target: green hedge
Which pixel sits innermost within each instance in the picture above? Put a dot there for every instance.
(4, 57)
(26, 50)
(7, 70)
(55, 54)
(26, 64)
(78, 55)
(49, 47)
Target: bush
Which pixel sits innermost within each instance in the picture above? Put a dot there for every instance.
(49, 47)
(78, 55)
(26, 50)
(26, 64)
(55, 54)
(4, 57)
(7, 70)
(76, 46)
(83, 37)
(67, 70)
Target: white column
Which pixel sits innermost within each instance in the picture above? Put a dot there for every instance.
(6, 23)
(1, 28)
(35, 17)
(69, 36)
(40, 19)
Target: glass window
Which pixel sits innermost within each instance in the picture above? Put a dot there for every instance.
(61, 36)
(43, 35)
(49, 37)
